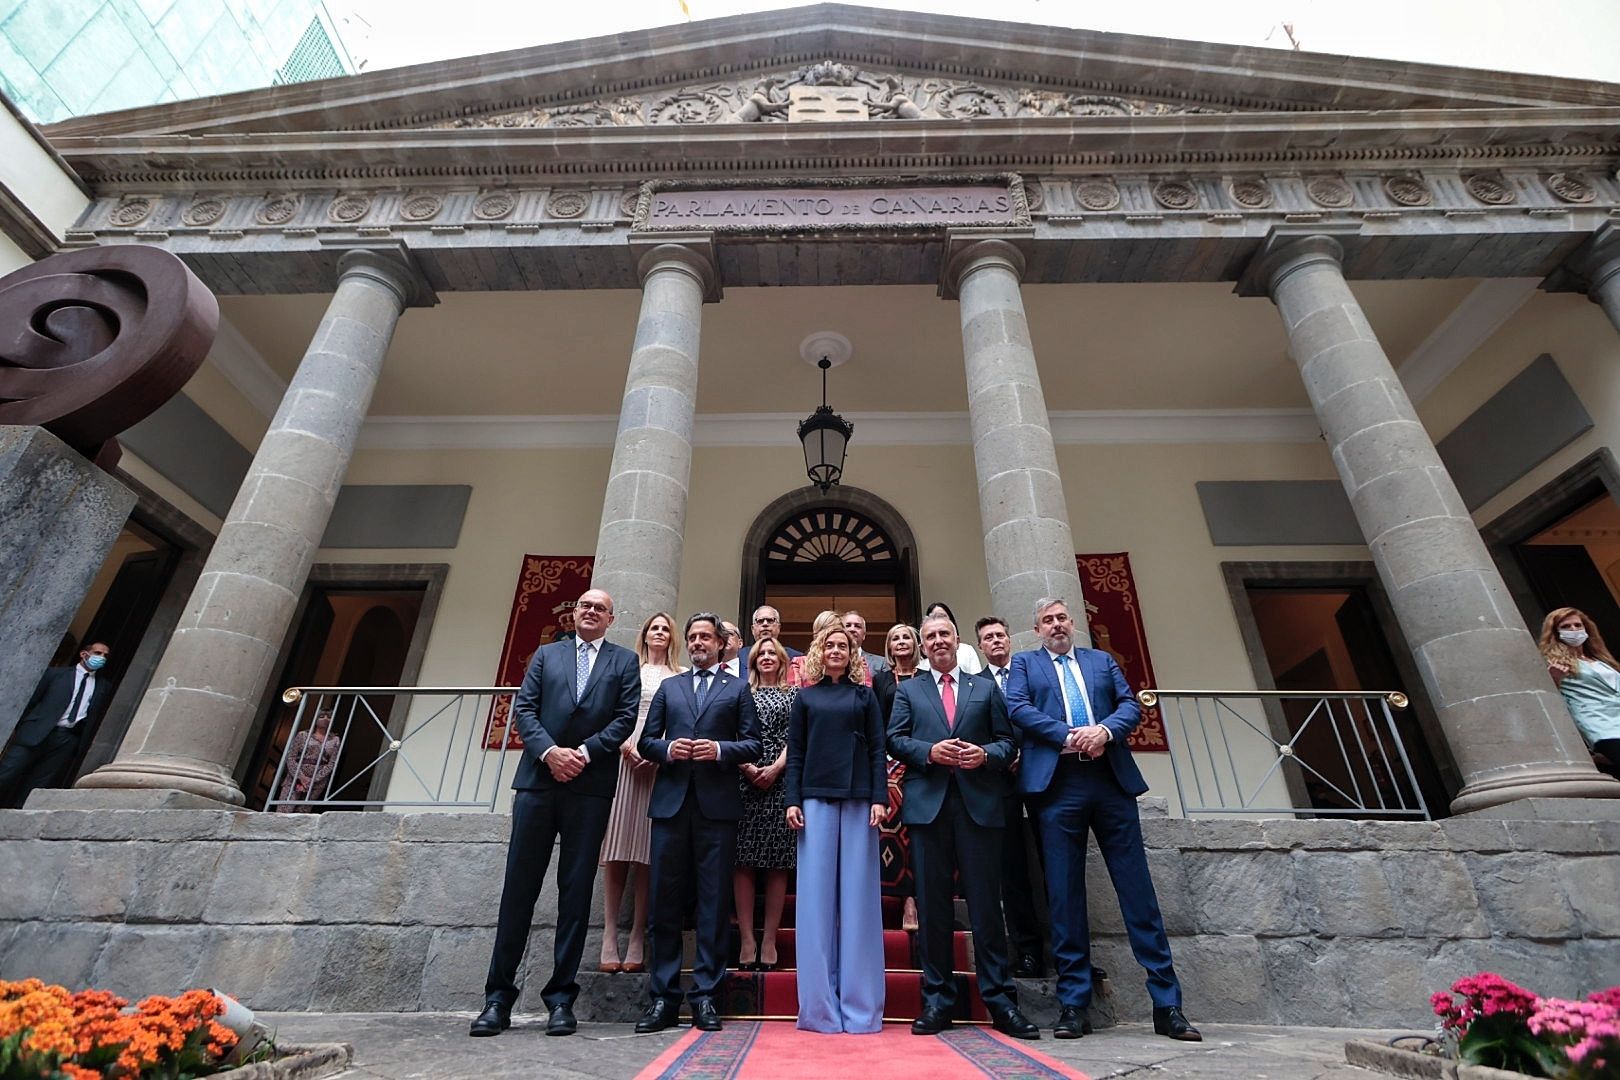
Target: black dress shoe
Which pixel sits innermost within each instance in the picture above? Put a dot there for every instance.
(661, 1014)
(1028, 967)
(562, 1021)
(1170, 1022)
(1014, 1023)
(931, 1022)
(1072, 1023)
(705, 1017)
(495, 1019)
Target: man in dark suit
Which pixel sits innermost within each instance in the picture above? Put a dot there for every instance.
(767, 624)
(56, 725)
(700, 726)
(1075, 710)
(855, 627)
(577, 705)
(951, 731)
(1024, 932)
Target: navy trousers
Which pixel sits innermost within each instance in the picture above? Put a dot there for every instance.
(692, 860)
(1084, 797)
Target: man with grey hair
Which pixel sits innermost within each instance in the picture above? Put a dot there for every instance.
(767, 623)
(1074, 711)
(855, 625)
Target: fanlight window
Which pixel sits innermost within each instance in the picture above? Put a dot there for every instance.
(829, 536)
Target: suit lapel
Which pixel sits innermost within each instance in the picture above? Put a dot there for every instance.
(964, 696)
(931, 689)
(596, 669)
(720, 681)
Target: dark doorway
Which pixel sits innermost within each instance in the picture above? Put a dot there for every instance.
(1575, 562)
(347, 637)
(1321, 638)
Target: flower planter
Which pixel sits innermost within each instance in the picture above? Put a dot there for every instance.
(1394, 1061)
(297, 1063)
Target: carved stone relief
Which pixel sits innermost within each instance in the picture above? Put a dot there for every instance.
(132, 211)
(1098, 194)
(567, 204)
(1489, 189)
(423, 206)
(203, 212)
(494, 205)
(1330, 191)
(887, 95)
(277, 210)
(1571, 187)
(1175, 195)
(1251, 192)
(348, 209)
(1408, 190)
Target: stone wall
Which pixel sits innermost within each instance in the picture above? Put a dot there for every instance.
(1310, 922)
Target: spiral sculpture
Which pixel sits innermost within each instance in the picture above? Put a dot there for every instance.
(94, 341)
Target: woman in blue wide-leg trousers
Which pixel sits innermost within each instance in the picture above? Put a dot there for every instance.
(839, 919)
(836, 794)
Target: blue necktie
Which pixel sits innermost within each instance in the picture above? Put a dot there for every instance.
(1072, 691)
(582, 671)
(703, 686)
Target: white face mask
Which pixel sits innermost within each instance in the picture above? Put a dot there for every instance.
(1573, 638)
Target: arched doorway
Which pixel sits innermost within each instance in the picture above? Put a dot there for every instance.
(807, 552)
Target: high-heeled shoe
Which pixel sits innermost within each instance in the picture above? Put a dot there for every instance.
(767, 965)
(632, 961)
(611, 967)
(908, 916)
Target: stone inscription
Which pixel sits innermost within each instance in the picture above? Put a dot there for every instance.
(832, 207)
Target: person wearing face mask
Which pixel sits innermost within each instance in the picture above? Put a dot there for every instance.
(56, 725)
(1589, 679)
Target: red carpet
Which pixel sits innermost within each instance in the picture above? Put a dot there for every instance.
(751, 1050)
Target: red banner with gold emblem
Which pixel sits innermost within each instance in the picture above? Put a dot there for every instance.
(542, 611)
(1115, 620)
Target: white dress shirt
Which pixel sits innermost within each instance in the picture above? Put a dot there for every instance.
(88, 680)
(592, 651)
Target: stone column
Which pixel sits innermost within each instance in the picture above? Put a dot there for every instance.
(1504, 722)
(1028, 546)
(638, 547)
(1594, 269)
(196, 715)
(1605, 288)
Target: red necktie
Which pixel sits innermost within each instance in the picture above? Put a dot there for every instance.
(947, 696)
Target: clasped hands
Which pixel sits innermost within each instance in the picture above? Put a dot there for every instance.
(761, 776)
(694, 750)
(1090, 741)
(565, 764)
(957, 754)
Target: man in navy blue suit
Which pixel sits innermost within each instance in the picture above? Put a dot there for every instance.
(577, 705)
(1074, 711)
(700, 726)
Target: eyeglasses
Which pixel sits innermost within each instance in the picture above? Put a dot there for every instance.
(765, 620)
(592, 605)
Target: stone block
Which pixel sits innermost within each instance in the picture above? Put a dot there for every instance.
(1305, 983)
(94, 880)
(357, 882)
(1435, 896)
(1170, 885)
(173, 880)
(1222, 978)
(1386, 982)
(1549, 969)
(457, 828)
(89, 824)
(1230, 834)
(142, 960)
(1473, 833)
(1597, 962)
(1347, 895)
(1404, 835)
(1593, 888)
(359, 826)
(1559, 837)
(59, 518)
(371, 969)
(1522, 895)
(449, 885)
(455, 967)
(1245, 892)
(1321, 834)
(21, 824)
(275, 827)
(60, 953)
(31, 869)
(264, 967)
(261, 882)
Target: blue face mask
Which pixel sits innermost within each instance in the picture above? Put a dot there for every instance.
(95, 663)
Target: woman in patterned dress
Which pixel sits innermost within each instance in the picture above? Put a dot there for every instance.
(629, 831)
(764, 842)
(311, 756)
(902, 648)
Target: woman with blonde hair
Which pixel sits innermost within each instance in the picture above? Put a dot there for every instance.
(629, 830)
(835, 798)
(764, 841)
(1588, 677)
(795, 672)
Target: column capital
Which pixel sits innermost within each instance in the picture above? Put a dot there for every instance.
(1591, 266)
(971, 249)
(391, 266)
(691, 253)
(1286, 250)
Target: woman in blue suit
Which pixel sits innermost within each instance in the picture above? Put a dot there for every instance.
(837, 797)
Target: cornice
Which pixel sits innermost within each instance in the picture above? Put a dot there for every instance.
(1589, 136)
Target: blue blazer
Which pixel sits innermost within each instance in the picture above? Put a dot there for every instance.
(547, 714)
(727, 717)
(1035, 703)
(918, 722)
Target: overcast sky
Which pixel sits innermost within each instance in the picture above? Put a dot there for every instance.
(1575, 38)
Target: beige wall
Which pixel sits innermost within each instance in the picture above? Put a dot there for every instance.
(36, 178)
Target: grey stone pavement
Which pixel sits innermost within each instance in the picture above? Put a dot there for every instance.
(435, 1046)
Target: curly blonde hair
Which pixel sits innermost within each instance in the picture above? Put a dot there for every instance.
(814, 672)
(1556, 652)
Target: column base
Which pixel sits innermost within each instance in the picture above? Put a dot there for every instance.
(1537, 809)
(1564, 783)
(165, 774)
(121, 799)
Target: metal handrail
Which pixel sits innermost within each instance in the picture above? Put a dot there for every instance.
(1362, 779)
(455, 772)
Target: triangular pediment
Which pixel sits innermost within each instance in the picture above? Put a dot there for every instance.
(894, 65)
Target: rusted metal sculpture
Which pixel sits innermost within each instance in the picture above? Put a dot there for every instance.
(94, 341)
